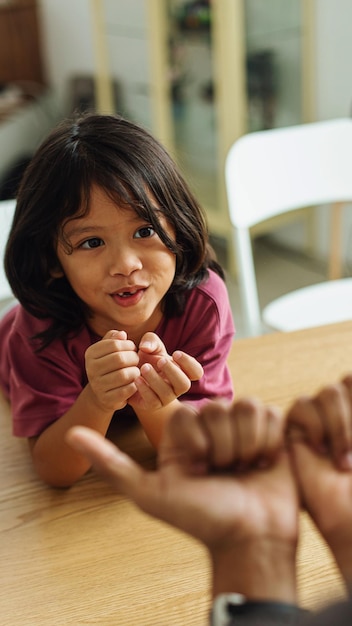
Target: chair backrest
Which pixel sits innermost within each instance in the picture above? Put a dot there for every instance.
(275, 171)
(272, 172)
(7, 209)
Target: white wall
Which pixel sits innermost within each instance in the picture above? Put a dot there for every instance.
(68, 49)
(275, 26)
(333, 54)
(128, 51)
(333, 94)
(334, 89)
(66, 31)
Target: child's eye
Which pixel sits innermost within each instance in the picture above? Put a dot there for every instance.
(93, 242)
(144, 232)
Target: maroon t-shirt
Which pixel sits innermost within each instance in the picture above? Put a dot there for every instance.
(43, 386)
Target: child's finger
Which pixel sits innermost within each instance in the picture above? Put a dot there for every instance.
(118, 338)
(152, 344)
(114, 341)
(188, 364)
(163, 389)
(115, 364)
(147, 397)
(115, 334)
(174, 376)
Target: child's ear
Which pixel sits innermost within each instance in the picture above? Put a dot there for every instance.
(56, 272)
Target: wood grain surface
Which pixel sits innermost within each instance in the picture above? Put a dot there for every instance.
(86, 556)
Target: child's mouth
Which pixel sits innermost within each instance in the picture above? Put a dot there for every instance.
(126, 294)
(128, 297)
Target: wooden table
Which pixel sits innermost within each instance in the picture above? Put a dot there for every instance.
(87, 556)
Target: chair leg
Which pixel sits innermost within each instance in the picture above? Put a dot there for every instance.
(247, 281)
(335, 251)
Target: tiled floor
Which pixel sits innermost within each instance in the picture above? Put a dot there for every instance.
(279, 270)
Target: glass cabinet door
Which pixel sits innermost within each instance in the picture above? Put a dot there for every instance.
(274, 47)
(235, 66)
(192, 94)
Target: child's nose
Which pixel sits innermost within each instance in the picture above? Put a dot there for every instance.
(124, 260)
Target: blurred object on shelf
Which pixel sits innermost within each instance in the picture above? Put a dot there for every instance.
(15, 94)
(82, 90)
(194, 16)
(207, 92)
(23, 125)
(10, 96)
(83, 94)
(178, 75)
(262, 87)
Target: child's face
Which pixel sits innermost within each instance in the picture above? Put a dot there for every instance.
(119, 267)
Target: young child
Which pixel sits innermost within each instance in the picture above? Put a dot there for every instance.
(123, 307)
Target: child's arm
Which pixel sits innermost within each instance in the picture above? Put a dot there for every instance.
(163, 379)
(112, 367)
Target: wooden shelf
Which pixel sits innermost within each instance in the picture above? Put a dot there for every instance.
(20, 54)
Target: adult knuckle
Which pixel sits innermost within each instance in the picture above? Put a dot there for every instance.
(330, 393)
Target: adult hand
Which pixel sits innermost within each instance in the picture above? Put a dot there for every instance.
(321, 445)
(224, 478)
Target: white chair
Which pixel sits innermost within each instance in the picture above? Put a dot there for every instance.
(272, 172)
(7, 209)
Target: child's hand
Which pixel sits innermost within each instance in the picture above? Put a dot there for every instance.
(163, 377)
(151, 349)
(112, 369)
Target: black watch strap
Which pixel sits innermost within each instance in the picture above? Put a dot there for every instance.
(235, 610)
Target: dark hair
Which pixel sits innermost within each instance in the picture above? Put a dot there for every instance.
(130, 166)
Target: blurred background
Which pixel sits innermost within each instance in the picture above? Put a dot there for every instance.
(198, 74)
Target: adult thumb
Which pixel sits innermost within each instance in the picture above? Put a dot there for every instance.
(108, 460)
(311, 468)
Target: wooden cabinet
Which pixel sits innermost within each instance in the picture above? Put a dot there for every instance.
(20, 56)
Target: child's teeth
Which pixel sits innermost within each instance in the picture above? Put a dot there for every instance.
(126, 293)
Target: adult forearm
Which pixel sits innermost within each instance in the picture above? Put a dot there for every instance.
(340, 542)
(54, 460)
(262, 569)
